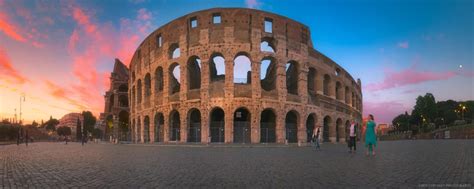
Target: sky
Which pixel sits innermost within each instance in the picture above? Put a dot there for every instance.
(59, 54)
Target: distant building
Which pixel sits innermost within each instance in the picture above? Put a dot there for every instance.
(70, 120)
(114, 121)
(383, 128)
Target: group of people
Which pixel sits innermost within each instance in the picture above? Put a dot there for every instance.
(370, 137)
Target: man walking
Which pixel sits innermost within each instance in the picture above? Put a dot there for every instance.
(352, 137)
(315, 138)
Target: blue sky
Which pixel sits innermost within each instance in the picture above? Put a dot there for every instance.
(399, 49)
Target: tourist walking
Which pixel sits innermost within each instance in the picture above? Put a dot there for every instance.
(315, 138)
(352, 137)
(370, 138)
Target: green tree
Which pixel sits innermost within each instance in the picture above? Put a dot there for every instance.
(402, 122)
(446, 111)
(50, 124)
(78, 129)
(89, 121)
(63, 131)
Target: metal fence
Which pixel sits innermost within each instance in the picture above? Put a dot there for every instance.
(291, 133)
(194, 132)
(175, 134)
(267, 133)
(217, 131)
(241, 132)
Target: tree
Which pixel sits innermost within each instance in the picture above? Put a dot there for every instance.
(446, 111)
(424, 111)
(50, 124)
(78, 129)
(63, 131)
(89, 121)
(97, 133)
(402, 122)
(34, 124)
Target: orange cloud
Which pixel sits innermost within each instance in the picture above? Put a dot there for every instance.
(7, 71)
(10, 29)
(63, 94)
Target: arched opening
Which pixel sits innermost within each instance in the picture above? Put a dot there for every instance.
(267, 45)
(146, 129)
(111, 102)
(347, 95)
(147, 86)
(123, 88)
(326, 125)
(174, 51)
(268, 73)
(217, 67)
(174, 81)
(133, 76)
(292, 77)
(338, 90)
(310, 125)
(267, 126)
(159, 129)
(347, 128)
(242, 69)
(326, 83)
(217, 125)
(133, 96)
(291, 126)
(123, 101)
(194, 128)
(123, 120)
(339, 129)
(109, 127)
(174, 126)
(353, 100)
(194, 72)
(337, 71)
(139, 130)
(139, 91)
(242, 126)
(159, 79)
(312, 80)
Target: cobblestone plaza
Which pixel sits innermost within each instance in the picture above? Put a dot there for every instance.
(434, 163)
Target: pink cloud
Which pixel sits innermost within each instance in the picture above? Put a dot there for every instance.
(384, 112)
(253, 4)
(411, 76)
(403, 45)
(8, 72)
(10, 29)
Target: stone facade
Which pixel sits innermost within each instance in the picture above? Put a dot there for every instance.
(115, 120)
(289, 89)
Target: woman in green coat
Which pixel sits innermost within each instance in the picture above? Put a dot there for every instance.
(370, 138)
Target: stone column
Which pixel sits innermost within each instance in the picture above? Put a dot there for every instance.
(152, 129)
(280, 126)
(166, 126)
(205, 126)
(332, 129)
(229, 125)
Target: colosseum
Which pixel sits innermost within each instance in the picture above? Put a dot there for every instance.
(237, 75)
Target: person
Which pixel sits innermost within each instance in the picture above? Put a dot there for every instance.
(370, 138)
(352, 137)
(26, 138)
(316, 138)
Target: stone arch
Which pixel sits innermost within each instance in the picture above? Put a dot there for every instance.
(174, 78)
(347, 128)
(123, 100)
(268, 126)
(242, 118)
(326, 84)
(339, 130)
(268, 73)
(146, 129)
(312, 74)
(194, 125)
(194, 72)
(217, 125)
(175, 123)
(242, 68)
(147, 85)
(292, 71)
(139, 91)
(133, 96)
(326, 126)
(347, 95)
(123, 88)
(139, 129)
(310, 126)
(159, 127)
(174, 51)
(338, 90)
(217, 67)
(291, 126)
(111, 102)
(158, 79)
(267, 44)
(123, 123)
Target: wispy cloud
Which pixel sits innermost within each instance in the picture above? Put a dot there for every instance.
(253, 4)
(403, 45)
(8, 72)
(384, 112)
(10, 29)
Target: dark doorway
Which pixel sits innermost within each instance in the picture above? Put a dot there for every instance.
(267, 126)
(174, 126)
(242, 126)
(159, 129)
(194, 128)
(327, 122)
(310, 127)
(146, 129)
(291, 123)
(217, 125)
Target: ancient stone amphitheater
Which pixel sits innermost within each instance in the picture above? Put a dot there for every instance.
(236, 75)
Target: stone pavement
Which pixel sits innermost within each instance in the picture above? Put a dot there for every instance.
(422, 163)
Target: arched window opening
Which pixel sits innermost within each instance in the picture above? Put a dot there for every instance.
(123, 101)
(194, 72)
(267, 126)
(139, 91)
(242, 126)
(326, 83)
(312, 80)
(174, 81)
(147, 85)
(267, 45)
(242, 69)
(174, 51)
(159, 79)
(217, 67)
(123, 88)
(217, 128)
(268, 73)
(291, 126)
(338, 91)
(292, 77)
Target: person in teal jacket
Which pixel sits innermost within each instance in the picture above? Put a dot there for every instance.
(370, 138)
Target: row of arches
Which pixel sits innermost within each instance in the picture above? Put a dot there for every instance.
(241, 130)
(242, 75)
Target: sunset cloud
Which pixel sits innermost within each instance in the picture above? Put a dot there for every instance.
(384, 112)
(8, 72)
(9, 29)
(412, 76)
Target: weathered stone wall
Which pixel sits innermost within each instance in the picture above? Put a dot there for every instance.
(240, 32)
